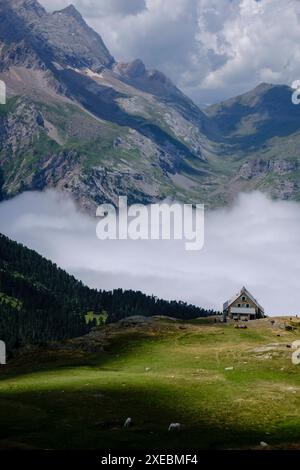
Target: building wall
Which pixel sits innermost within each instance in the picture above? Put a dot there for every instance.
(240, 302)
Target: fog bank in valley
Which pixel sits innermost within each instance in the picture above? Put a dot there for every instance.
(253, 243)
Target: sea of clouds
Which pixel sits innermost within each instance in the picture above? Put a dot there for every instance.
(254, 243)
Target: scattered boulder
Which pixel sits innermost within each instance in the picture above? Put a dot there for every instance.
(164, 317)
(264, 357)
(136, 320)
(296, 357)
(289, 328)
(270, 348)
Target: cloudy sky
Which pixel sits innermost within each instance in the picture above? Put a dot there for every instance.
(254, 243)
(212, 49)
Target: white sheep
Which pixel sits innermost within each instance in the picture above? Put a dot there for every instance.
(263, 444)
(174, 427)
(128, 423)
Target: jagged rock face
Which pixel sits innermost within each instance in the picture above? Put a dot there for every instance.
(152, 81)
(19, 53)
(63, 36)
(19, 128)
(259, 167)
(78, 121)
(156, 83)
(29, 9)
(131, 70)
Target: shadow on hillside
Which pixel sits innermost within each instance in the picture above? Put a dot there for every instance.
(82, 403)
(93, 419)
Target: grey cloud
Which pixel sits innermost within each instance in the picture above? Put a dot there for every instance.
(212, 49)
(254, 243)
(121, 7)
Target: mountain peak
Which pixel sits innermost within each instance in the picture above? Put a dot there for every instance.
(28, 5)
(133, 69)
(70, 10)
(61, 37)
(265, 87)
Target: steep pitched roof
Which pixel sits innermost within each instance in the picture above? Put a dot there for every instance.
(247, 293)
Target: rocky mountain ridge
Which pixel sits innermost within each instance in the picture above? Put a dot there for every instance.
(79, 121)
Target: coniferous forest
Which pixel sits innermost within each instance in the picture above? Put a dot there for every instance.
(39, 302)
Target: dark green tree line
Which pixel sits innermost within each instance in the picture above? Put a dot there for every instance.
(39, 302)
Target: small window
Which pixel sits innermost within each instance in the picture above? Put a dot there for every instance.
(243, 299)
(248, 305)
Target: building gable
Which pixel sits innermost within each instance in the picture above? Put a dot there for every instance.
(242, 299)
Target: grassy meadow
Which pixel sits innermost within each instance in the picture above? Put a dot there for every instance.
(228, 387)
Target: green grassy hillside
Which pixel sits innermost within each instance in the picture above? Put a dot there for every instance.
(77, 395)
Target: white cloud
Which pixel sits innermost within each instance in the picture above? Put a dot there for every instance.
(212, 49)
(254, 243)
